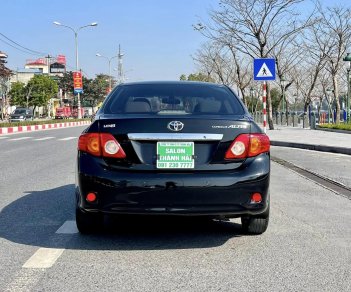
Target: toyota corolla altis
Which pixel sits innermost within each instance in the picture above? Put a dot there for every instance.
(173, 148)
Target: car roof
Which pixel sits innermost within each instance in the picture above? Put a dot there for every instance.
(209, 84)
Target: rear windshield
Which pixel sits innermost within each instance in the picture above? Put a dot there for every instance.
(19, 111)
(173, 99)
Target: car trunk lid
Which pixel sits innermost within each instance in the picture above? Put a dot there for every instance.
(153, 144)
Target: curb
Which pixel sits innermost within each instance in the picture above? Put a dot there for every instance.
(31, 128)
(322, 148)
(333, 130)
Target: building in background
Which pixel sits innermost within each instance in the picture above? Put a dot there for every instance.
(24, 75)
(54, 67)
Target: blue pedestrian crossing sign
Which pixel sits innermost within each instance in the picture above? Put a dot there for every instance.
(264, 69)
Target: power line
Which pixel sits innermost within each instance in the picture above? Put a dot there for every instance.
(17, 44)
(18, 48)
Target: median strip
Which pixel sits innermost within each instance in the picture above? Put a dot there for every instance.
(20, 129)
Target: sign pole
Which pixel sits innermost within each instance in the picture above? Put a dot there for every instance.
(264, 100)
(264, 70)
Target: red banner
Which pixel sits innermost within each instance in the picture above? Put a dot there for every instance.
(77, 81)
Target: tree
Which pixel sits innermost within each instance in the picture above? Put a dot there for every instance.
(336, 23)
(182, 77)
(255, 28)
(213, 60)
(275, 95)
(197, 77)
(40, 89)
(4, 71)
(317, 46)
(96, 90)
(18, 94)
(66, 82)
(225, 65)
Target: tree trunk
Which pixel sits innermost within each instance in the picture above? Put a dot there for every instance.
(336, 97)
(269, 108)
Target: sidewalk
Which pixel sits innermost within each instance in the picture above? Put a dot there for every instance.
(310, 139)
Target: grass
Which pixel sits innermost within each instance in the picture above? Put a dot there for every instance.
(39, 122)
(341, 126)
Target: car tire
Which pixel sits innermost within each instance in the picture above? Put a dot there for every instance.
(256, 224)
(88, 223)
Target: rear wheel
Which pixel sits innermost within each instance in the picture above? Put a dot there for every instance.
(256, 224)
(88, 223)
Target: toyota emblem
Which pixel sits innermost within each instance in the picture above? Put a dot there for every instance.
(175, 126)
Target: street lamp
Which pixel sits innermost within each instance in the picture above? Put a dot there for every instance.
(109, 67)
(75, 31)
(348, 59)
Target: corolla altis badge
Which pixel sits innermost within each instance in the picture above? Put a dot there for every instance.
(175, 126)
(230, 127)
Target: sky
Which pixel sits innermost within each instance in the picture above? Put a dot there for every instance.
(156, 36)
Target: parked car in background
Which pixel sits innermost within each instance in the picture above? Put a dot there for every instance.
(173, 148)
(21, 114)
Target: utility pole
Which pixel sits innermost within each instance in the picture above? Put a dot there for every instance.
(75, 31)
(120, 77)
(48, 57)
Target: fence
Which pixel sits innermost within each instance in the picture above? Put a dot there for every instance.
(303, 120)
(286, 119)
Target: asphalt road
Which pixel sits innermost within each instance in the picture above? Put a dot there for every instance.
(306, 247)
(333, 166)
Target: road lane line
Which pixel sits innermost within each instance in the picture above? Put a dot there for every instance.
(43, 258)
(1, 137)
(68, 138)
(69, 227)
(22, 138)
(45, 138)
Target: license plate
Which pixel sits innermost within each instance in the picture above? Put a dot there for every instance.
(175, 155)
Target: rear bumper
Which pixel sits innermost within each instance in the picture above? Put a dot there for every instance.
(221, 193)
(17, 119)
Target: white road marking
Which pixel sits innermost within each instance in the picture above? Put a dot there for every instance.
(45, 138)
(43, 258)
(69, 227)
(1, 137)
(68, 138)
(22, 138)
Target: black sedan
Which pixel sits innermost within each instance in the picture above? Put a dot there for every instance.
(173, 148)
(21, 114)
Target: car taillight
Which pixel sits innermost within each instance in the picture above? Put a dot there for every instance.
(110, 147)
(248, 145)
(102, 144)
(90, 143)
